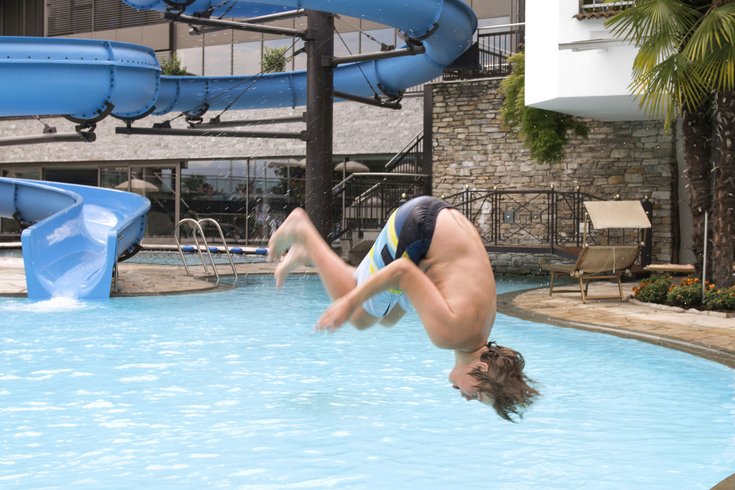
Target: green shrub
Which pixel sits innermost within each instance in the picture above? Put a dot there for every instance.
(653, 290)
(685, 295)
(720, 299)
(273, 60)
(172, 66)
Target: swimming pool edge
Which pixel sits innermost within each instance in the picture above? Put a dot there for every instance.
(506, 306)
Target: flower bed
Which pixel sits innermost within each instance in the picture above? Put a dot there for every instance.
(686, 294)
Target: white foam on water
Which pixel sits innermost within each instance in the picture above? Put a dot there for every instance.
(29, 433)
(54, 305)
(161, 467)
(329, 482)
(99, 404)
(139, 379)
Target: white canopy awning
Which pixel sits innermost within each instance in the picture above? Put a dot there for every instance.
(617, 214)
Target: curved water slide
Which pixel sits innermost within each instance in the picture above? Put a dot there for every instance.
(88, 79)
(75, 237)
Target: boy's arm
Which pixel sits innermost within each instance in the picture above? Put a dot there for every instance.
(430, 305)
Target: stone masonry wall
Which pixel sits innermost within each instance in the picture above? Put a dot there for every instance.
(632, 159)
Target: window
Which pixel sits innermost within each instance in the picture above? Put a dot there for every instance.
(81, 16)
(21, 18)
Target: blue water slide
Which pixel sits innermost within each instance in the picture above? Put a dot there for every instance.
(445, 27)
(80, 78)
(87, 79)
(76, 237)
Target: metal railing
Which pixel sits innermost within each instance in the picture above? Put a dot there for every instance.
(198, 232)
(596, 5)
(487, 57)
(363, 201)
(410, 159)
(496, 47)
(544, 219)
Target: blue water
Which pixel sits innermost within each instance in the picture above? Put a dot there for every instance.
(234, 389)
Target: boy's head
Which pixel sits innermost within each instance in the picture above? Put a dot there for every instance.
(497, 379)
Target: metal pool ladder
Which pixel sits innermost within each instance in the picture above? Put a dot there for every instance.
(199, 231)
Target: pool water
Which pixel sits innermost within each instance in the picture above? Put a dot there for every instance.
(234, 389)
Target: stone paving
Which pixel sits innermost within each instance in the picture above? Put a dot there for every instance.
(701, 334)
(696, 332)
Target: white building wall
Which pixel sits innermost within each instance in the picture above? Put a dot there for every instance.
(577, 66)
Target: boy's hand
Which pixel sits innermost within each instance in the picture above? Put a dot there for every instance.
(337, 314)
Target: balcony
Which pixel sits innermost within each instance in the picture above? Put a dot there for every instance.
(600, 9)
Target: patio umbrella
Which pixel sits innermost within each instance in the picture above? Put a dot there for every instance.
(138, 186)
(351, 166)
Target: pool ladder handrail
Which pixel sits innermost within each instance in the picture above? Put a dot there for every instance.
(224, 244)
(197, 226)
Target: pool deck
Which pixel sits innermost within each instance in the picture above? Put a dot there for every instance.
(706, 334)
(699, 333)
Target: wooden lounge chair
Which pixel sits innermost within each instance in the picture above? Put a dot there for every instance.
(604, 261)
(595, 263)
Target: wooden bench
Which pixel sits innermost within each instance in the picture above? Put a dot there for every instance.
(670, 268)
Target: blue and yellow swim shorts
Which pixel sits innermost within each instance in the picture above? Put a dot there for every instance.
(408, 233)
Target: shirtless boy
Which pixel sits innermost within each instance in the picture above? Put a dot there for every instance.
(430, 255)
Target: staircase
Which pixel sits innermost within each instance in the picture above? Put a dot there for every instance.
(364, 200)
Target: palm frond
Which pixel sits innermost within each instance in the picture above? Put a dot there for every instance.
(651, 52)
(668, 19)
(717, 68)
(715, 30)
(669, 87)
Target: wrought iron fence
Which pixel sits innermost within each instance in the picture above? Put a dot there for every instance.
(487, 57)
(517, 219)
(363, 201)
(496, 47)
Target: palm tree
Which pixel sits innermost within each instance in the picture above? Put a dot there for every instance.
(685, 67)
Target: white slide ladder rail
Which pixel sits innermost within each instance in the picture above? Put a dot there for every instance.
(198, 231)
(224, 243)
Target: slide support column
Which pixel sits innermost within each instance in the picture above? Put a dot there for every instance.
(319, 91)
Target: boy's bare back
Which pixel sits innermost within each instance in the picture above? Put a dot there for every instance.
(457, 263)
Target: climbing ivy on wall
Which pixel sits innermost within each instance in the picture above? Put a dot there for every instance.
(543, 132)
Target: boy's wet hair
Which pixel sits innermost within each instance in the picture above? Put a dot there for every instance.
(504, 381)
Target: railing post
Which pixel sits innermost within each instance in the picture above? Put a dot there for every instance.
(647, 251)
(553, 217)
(496, 215)
(577, 214)
(466, 209)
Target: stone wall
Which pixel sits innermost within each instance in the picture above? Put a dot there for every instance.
(632, 159)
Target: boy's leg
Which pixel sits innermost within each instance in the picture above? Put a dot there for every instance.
(299, 234)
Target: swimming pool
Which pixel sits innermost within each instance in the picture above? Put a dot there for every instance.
(234, 389)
